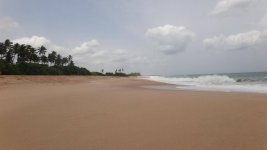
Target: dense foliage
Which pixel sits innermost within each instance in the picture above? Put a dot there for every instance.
(20, 59)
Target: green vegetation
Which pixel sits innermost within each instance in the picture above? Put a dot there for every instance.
(21, 59)
(134, 74)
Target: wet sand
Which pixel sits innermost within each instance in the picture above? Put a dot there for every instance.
(98, 113)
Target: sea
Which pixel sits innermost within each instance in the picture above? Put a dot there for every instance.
(254, 82)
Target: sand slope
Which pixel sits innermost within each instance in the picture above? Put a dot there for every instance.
(80, 113)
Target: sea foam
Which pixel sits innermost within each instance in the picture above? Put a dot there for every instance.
(212, 83)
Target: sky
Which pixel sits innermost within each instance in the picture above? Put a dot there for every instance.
(154, 37)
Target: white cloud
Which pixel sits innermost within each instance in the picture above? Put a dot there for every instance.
(34, 41)
(236, 42)
(170, 39)
(37, 41)
(92, 52)
(87, 47)
(239, 41)
(95, 56)
(8, 24)
(226, 5)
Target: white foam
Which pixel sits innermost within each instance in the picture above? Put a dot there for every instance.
(211, 83)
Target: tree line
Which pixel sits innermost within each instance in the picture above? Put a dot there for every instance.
(22, 59)
(29, 54)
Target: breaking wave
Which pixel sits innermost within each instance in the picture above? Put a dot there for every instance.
(214, 83)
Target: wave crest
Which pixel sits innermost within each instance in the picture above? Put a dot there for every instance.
(202, 80)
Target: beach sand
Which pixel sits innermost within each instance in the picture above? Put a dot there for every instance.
(98, 113)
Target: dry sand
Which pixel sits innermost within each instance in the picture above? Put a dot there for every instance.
(91, 113)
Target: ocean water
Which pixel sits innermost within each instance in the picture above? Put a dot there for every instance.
(255, 82)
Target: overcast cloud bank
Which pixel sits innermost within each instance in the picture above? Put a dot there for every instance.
(153, 37)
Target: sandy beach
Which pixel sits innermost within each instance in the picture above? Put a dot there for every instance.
(102, 113)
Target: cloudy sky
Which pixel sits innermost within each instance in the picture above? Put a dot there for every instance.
(166, 37)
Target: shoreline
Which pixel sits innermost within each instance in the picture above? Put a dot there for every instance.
(118, 113)
(175, 88)
(194, 88)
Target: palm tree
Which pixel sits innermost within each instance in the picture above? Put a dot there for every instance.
(16, 48)
(52, 57)
(9, 53)
(44, 59)
(41, 50)
(69, 58)
(22, 54)
(65, 61)
(58, 60)
(10, 56)
(33, 57)
(2, 50)
(71, 63)
(8, 44)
